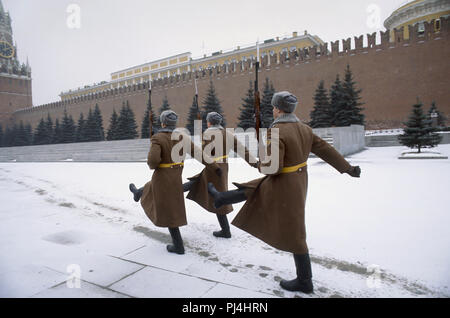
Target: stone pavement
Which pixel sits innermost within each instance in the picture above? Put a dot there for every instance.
(46, 248)
(142, 272)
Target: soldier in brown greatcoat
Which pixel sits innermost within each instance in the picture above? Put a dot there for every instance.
(198, 185)
(275, 204)
(162, 198)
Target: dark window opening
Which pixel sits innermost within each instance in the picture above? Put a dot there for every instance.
(438, 25)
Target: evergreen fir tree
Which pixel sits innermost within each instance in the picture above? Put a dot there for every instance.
(20, 138)
(17, 135)
(28, 134)
(13, 135)
(40, 133)
(322, 114)
(211, 104)
(193, 115)
(90, 127)
(113, 125)
(99, 132)
(7, 137)
(418, 132)
(145, 128)
(165, 106)
(80, 135)
(94, 126)
(68, 129)
(247, 115)
(441, 120)
(352, 99)
(1, 135)
(57, 133)
(49, 132)
(266, 104)
(121, 125)
(20, 135)
(337, 104)
(127, 128)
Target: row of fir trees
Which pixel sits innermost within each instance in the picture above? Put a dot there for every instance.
(49, 132)
(123, 125)
(340, 107)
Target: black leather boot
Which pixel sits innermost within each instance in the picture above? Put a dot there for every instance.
(227, 197)
(188, 185)
(225, 232)
(303, 282)
(177, 246)
(137, 192)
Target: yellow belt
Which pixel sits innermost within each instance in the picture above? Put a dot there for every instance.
(170, 165)
(220, 158)
(293, 168)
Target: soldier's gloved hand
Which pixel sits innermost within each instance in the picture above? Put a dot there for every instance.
(219, 172)
(354, 171)
(255, 164)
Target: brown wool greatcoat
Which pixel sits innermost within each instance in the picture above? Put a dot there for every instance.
(163, 198)
(199, 191)
(275, 209)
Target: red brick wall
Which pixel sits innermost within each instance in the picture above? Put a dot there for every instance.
(391, 76)
(15, 93)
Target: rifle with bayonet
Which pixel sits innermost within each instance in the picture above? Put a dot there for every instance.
(150, 108)
(257, 104)
(199, 115)
(257, 101)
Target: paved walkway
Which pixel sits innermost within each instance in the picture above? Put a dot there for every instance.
(130, 266)
(46, 245)
(138, 273)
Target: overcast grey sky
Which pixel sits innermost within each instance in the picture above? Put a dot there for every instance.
(116, 34)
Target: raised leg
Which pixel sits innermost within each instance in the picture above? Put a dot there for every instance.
(137, 193)
(227, 197)
(188, 185)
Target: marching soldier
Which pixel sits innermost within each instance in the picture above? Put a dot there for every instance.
(162, 198)
(275, 204)
(198, 185)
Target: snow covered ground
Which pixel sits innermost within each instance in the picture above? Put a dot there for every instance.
(384, 132)
(383, 235)
(423, 154)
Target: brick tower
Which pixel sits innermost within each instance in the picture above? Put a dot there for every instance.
(15, 78)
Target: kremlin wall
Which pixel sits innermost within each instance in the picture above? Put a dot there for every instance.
(409, 60)
(391, 74)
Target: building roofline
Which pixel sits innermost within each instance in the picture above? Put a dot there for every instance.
(408, 4)
(151, 62)
(403, 13)
(191, 61)
(253, 47)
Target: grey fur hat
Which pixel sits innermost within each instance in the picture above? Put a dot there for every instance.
(168, 118)
(285, 101)
(214, 118)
